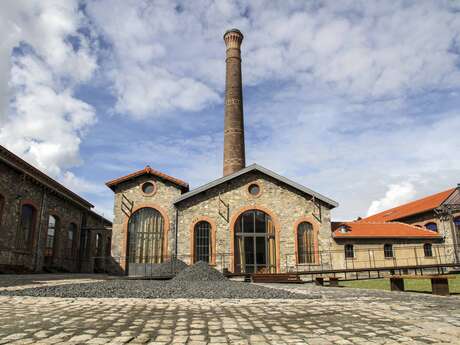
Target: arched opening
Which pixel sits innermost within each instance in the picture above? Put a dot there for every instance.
(305, 243)
(254, 243)
(51, 236)
(202, 242)
(26, 227)
(145, 237)
(432, 226)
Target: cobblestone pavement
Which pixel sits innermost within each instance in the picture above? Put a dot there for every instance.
(342, 316)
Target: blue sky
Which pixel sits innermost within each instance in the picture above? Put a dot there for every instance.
(358, 100)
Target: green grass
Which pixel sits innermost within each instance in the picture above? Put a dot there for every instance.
(418, 285)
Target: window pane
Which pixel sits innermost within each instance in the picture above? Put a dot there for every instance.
(202, 241)
(431, 226)
(248, 222)
(428, 250)
(260, 222)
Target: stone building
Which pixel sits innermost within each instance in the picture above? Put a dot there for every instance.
(254, 220)
(43, 225)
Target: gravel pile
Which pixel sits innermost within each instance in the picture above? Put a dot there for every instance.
(200, 271)
(169, 267)
(161, 289)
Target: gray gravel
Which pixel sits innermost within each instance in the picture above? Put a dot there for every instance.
(200, 271)
(169, 267)
(160, 289)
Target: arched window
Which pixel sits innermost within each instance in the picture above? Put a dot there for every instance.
(431, 226)
(428, 249)
(305, 243)
(2, 205)
(50, 239)
(388, 250)
(254, 243)
(349, 251)
(202, 242)
(26, 227)
(145, 232)
(71, 236)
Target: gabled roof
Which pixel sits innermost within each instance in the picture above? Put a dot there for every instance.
(147, 171)
(415, 207)
(21, 165)
(363, 230)
(256, 167)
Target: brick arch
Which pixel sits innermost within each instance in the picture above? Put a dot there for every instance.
(316, 225)
(165, 216)
(213, 237)
(276, 224)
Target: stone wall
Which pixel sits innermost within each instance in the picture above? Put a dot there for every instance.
(162, 200)
(284, 204)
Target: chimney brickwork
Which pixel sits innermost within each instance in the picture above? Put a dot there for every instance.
(234, 152)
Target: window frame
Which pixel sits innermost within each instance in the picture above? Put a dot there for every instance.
(425, 250)
(432, 223)
(308, 256)
(153, 183)
(349, 248)
(388, 252)
(55, 235)
(27, 247)
(209, 254)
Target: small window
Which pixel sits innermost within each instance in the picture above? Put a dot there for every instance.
(388, 250)
(428, 249)
(26, 227)
(148, 188)
(71, 236)
(349, 251)
(254, 189)
(432, 226)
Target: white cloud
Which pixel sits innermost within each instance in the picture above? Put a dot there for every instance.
(396, 194)
(43, 121)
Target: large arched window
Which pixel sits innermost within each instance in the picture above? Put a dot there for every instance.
(202, 242)
(26, 227)
(146, 232)
(254, 243)
(431, 226)
(305, 243)
(50, 244)
(71, 236)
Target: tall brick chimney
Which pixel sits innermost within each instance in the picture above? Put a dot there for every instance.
(234, 155)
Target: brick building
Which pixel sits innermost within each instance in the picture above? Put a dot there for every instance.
(43, 225)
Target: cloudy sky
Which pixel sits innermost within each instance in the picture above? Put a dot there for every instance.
(358, 100)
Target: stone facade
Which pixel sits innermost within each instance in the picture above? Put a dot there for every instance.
(21, 184)
(131, 195)
(286, 206)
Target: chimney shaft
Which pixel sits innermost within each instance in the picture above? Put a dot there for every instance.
(234, 153)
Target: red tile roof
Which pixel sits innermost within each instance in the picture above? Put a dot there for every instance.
(362, 229)
(147, 171)
(418, 206)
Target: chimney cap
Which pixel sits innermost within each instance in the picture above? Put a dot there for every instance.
(233, 30)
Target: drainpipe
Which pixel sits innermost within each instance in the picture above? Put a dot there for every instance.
(177, 232)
